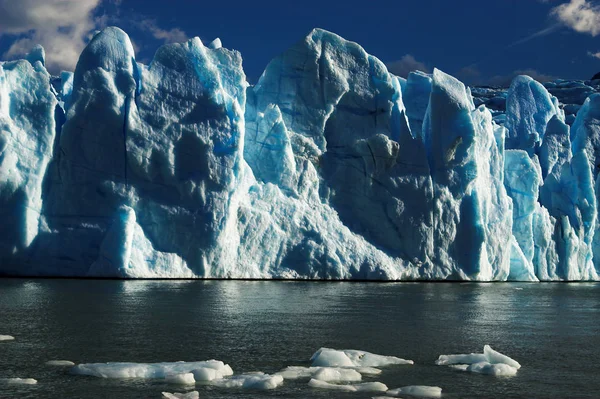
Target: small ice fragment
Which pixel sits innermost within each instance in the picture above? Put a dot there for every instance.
(364, 387)
(206, 374)
(326, 385)
(497, 357)
(337, 375)
(446, 360)
(368, 370)
(60, 363)
(256, 380)
(326, 357)
(187, 395)
(330, 374)
(148, 370)
(21, 381)
(499, 369)
(417, 390)
(181, 379)
(460, 367)
(6, 338)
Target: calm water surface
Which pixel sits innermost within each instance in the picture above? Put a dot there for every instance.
(553, 330)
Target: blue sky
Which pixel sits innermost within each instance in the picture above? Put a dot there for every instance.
(479, 41)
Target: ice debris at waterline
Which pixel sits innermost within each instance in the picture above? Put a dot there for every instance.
(18, 381)
(7, 338)
(186, 395)
(60, 363)
(364, 387)
(216, 370)
(326, 357)
(489, 362)
(421, 391)
(329, 167)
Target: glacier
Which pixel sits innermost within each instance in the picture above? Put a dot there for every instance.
(329, 167)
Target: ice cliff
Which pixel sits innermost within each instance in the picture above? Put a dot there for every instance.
(329, 167)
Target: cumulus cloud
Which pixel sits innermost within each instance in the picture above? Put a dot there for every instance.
(505, 80)
(580, 15)
(405, 65)
(61, 26)
(174, 35)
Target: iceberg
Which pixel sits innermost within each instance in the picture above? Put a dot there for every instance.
(489, 362)
(329, 167)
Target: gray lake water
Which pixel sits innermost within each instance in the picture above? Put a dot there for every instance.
(553, 330)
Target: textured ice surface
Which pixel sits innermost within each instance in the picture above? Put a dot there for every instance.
(177, 395)
(421, 391)
(257, 380)
(329, 374)
(364, 387)
(148, 370)
(60, 363)
(329, 167)
(180, 379)
(6, 338)
(18, 381)
(326, 357)
(489, 362)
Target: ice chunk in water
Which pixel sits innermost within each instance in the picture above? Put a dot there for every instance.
(187, 395)
(6, 338)
(148, 370)
(489, 362)
(182, 379)
(18, 381)
(256, 380)
(60, 363)
(417, 390)
(326, 357)
(330, 374)
(364, 387)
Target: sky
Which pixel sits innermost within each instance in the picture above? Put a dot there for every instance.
(482, 42)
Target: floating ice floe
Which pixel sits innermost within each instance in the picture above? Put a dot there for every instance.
(364, 387)
(186, 395)
(351, 358)
(181, 379)
(6, 338)
(257, 380)
(154, 370)
(18, 381)
(329, 374)
(60, 363)
(421, 391)
(489, 362)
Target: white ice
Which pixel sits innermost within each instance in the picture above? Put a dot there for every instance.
(364, 387)
(329, 374)
(149, 370)
(6, 338)
(60, 363)
(421, 391)
(489, 362)
(326, 357)
(18, 381)
(257, 380)
(186, 395)
(181, 379)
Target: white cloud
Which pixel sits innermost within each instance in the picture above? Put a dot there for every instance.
(61, 26)
(595, 55)
(580, 15)
(405, 65)
(174, 35)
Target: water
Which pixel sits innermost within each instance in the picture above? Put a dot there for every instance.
(553, 330)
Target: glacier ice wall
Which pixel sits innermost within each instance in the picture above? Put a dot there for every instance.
(329, 167)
